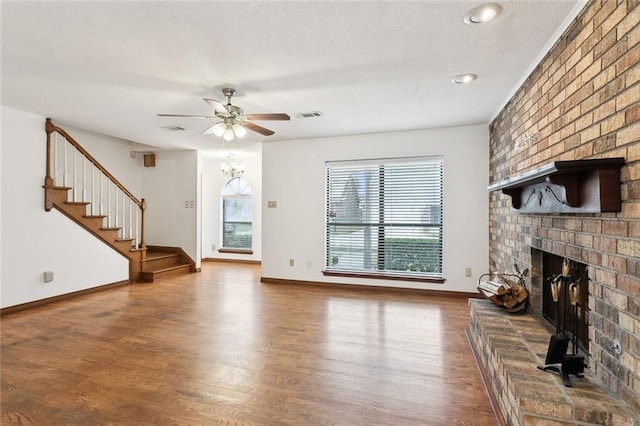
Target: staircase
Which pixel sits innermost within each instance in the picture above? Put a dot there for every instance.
(90, 196)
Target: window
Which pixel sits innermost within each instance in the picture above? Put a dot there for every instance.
(384, 217)
(237, 215)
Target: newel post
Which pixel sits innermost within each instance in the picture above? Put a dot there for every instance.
(48, 179)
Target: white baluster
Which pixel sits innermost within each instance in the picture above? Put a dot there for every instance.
(122, 213)
(84, 178)
(100, 195)
(93, 189)
(64, 163)
(109, 203)
(137, 210)
(74, 182)
(115, 197)
(55, 157)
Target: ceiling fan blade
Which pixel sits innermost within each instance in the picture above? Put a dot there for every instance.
(217, 106)
(258, 129)
(276, 116)
(185, 115)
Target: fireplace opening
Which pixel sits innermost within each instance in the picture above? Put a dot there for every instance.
(552, 266)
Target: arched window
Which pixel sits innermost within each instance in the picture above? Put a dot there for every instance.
(237, 215)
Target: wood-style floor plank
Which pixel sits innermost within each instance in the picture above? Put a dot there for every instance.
(220, 347)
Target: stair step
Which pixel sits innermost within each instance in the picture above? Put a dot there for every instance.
(151, 276)
(65, 188)
(95, 216)
(124, 239)
(98, 220)
(124, 245)
(112, 228)
(154, 255)
(76, 208)
(161, 260)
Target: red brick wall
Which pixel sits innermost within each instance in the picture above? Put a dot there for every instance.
(582, 101)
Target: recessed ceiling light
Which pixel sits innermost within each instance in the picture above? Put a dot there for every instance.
(463, 78)
(482, 14)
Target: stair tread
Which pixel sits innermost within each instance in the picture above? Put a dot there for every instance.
(154, 255)
(66, 188)
(170, 268)
(77, 203)
(125, 239)
(107, 228)
(94, 216)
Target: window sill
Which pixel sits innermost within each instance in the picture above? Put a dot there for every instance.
(235, 251)
(384, 276)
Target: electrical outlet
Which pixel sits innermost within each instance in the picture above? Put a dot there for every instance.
(48, 276)
(308, 264)
(291, 262)
(213, 246)
(272, 204)
(467, 272)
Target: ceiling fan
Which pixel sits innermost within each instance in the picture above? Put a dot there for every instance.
(234, 122)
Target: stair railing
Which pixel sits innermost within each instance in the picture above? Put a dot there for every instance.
(69, 165)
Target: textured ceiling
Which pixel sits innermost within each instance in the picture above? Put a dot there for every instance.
(368, 66)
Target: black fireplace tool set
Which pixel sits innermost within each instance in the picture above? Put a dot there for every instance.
(564, 287)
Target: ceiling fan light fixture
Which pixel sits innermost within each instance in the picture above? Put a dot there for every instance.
(239, 130)
(482, 14)
(228, 134)
(219, 129)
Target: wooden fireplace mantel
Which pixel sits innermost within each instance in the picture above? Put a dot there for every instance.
(579, 186)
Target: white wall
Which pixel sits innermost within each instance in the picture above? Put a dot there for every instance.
(293, 175)
(166, 187)
(33, 240)
(213, 180)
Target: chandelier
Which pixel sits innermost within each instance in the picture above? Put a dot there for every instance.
(227, 129)
(232, 169)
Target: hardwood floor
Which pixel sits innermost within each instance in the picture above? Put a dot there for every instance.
(220, 347)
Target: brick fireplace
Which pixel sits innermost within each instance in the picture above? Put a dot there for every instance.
(581, 102)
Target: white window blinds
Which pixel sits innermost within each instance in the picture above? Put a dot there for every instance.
(385, 216)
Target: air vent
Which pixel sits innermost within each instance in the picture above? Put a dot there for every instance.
(174, 128)
(311, 114)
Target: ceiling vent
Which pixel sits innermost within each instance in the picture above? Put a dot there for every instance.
(311, 114)
(174, 128)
